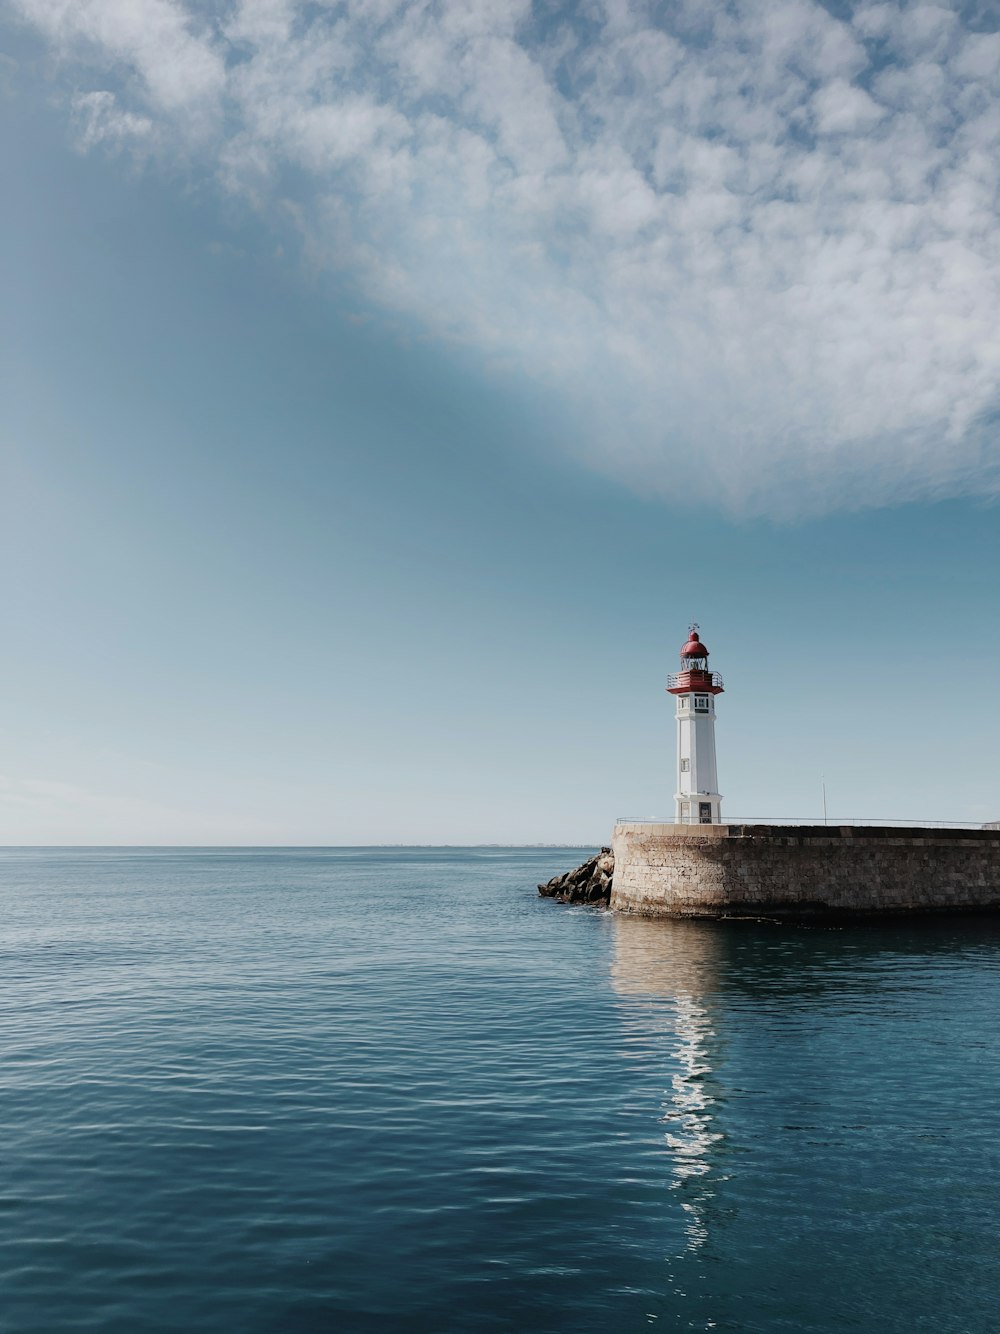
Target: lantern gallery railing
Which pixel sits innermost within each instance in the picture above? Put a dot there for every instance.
(676, 679)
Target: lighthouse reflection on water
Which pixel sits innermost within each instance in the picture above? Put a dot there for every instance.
(667, 972)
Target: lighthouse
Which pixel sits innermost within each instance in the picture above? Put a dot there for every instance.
(694, 687)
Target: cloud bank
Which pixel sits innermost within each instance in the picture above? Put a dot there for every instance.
(754, 246)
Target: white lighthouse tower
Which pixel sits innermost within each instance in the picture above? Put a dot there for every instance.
(695, 688)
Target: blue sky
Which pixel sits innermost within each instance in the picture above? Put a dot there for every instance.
(387, 388)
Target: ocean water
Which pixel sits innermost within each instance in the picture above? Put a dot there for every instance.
(392, 1089)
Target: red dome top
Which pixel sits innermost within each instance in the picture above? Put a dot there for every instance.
(694, 648)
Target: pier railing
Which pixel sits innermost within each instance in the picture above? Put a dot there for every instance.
(818, 820)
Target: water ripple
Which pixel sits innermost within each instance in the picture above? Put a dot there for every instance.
(297, 1090)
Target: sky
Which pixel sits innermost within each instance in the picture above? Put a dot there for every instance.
(386, 387)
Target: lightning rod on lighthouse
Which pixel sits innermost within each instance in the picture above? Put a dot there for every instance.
(694, 687)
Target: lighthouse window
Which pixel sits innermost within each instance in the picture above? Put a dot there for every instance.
(685, 766)
(701, 704)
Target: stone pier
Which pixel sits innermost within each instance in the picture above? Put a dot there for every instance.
(669, 870)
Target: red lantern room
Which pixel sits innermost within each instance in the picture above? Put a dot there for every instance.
(694, 673)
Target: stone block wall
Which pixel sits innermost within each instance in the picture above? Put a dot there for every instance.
(748, 870)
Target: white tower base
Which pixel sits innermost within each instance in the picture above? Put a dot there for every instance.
(698, 798)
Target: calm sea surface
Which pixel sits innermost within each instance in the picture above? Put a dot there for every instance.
(391, 1089)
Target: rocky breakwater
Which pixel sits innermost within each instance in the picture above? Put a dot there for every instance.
(589, 883)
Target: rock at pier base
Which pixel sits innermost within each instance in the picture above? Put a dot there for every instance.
(589, 883)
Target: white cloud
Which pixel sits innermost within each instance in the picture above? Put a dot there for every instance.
(100, 120)
(178, 65)
(753, 246)
(842, 108)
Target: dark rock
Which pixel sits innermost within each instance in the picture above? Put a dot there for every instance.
(589, 883)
